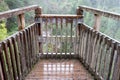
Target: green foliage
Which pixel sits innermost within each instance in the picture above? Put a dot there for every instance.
(65, 7)
(3, 30)
(3, 6)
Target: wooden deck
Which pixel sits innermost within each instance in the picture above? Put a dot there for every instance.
(52, 69)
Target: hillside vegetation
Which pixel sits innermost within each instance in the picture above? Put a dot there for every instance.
(108, 26)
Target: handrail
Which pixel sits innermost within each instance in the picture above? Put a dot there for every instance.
(98, 14)
(17, 11)
(100, 53)
(60, 16)
(101, 12)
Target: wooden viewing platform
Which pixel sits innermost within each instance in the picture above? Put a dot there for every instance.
(59, 47)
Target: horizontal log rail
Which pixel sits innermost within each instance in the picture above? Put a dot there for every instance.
(61, 16)
(98, 14)
(99, 53)
(15, 12)
(101, 12)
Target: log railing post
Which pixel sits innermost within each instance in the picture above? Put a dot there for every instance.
(21, 21)
(97, 22)
(38, 21)
(79, 11)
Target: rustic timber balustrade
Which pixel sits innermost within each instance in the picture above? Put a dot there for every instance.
(98, 52)
(18, 53)
(59, 36)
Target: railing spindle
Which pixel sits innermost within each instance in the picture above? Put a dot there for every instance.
(1, 72)
(12, 55)
(17, 56)
(116, 69)
(4, 63)
(8, 60)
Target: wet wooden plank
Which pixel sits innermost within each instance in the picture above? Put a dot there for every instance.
(59, 69)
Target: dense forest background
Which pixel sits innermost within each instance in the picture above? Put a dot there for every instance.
(108, 26)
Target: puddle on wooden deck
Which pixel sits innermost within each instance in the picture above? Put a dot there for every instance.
(52, 69)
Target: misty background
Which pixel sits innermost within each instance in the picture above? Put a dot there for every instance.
(108, 26)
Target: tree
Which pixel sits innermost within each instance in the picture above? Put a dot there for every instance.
(3, 30)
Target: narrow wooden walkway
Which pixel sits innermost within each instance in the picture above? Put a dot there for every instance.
(52, 69)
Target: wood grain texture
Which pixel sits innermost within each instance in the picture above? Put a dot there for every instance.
(101, 12)
(17, 11)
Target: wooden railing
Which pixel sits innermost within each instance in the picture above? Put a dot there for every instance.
(18, 53)
(58, 35)
(98, 52)
(98, 15)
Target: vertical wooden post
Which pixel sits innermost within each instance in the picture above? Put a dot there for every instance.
(21, 21)
(79, 11)
(38, 19)
(1, 73)
(97, 22)
(38, 13)
(116, 69)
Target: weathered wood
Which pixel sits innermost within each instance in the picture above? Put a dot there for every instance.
(17, 56)
(60, 16)
(99, 52)
(21, 22)
(13, 60)
(1, 69)
(97, 22)
(22, 55)
(3, 62)
(1, 72)
(40, 37)
(66, 40)
(38, 19)
(18, 11)
(79, 11)
(116, 69)
(8, 60)
(101, 12)
(71, 40)
(26, 50)
(38, 11)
